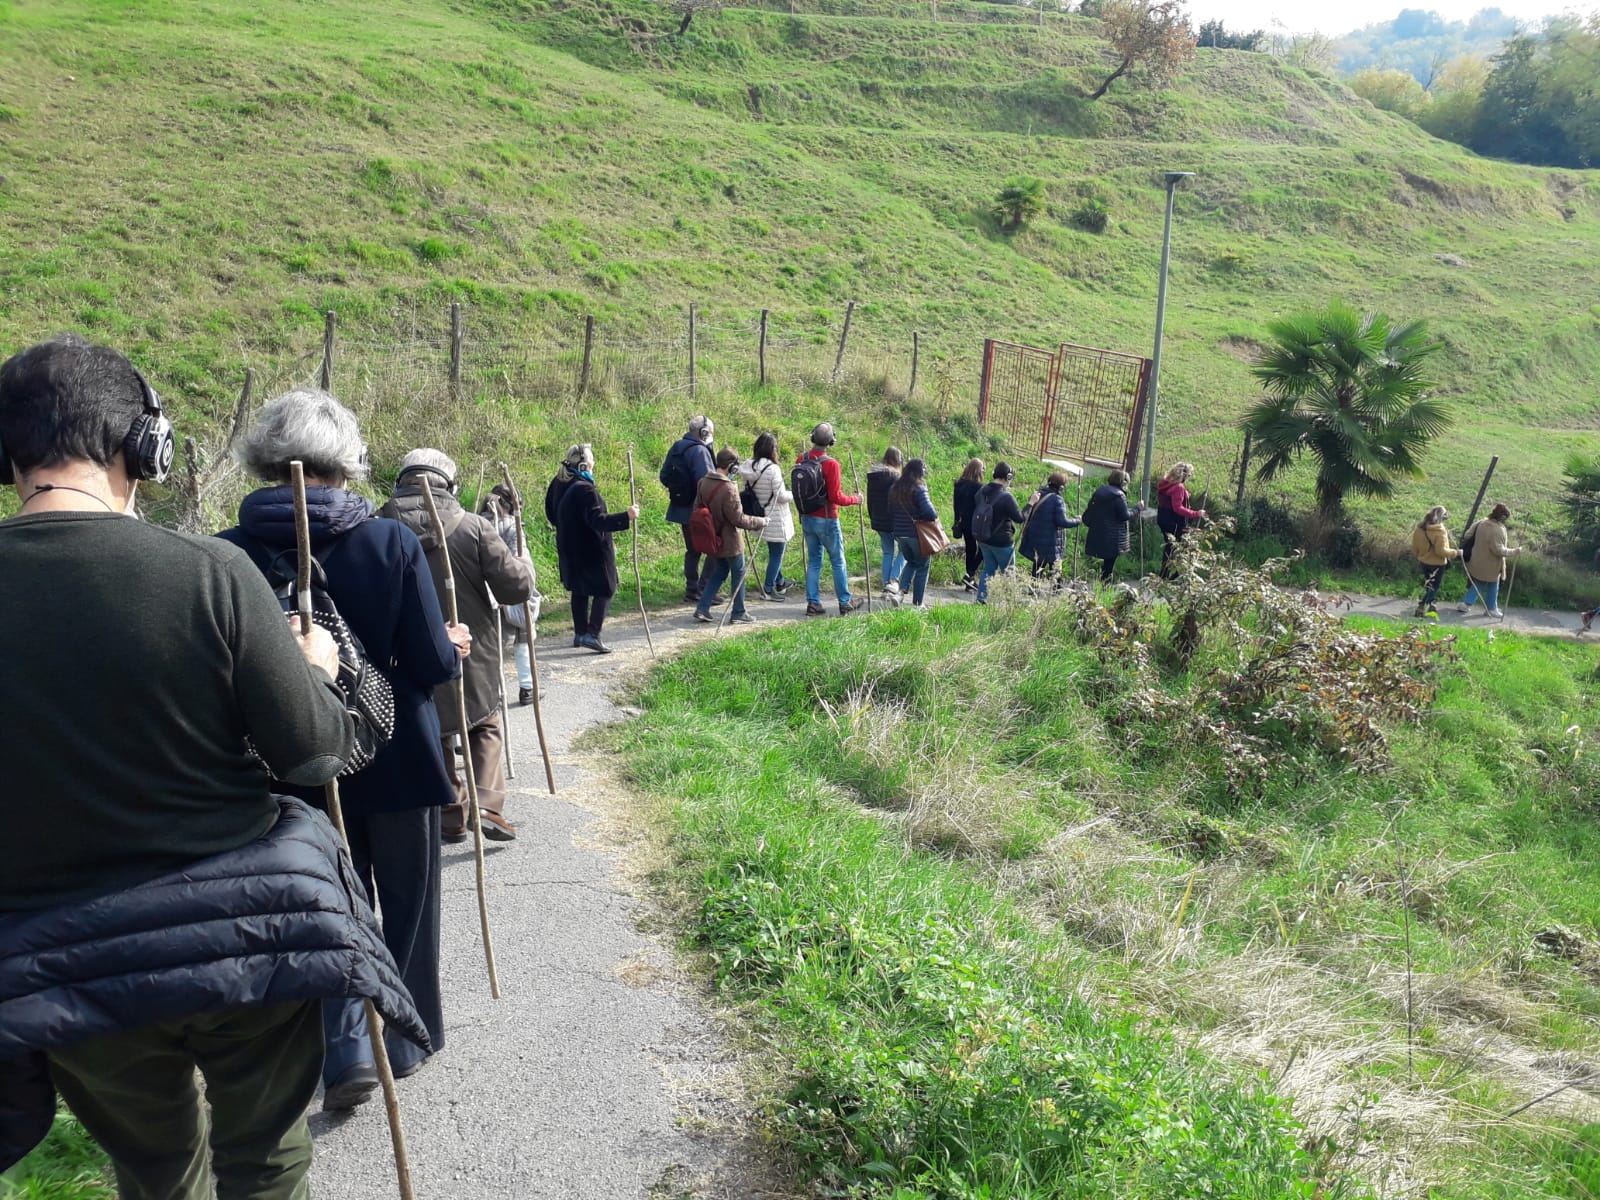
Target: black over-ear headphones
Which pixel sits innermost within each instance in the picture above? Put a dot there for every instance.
(449, 484)
(147, 451)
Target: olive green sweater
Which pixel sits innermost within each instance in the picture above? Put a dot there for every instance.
(135, 662)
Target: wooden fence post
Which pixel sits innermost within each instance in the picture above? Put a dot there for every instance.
(1483, 489)
(325, 378)
(691, 348)
(242, 409)
(916, 353)
(1244, 473)
(455, 345)
(761, 351)
(588, 355)
(844, 338)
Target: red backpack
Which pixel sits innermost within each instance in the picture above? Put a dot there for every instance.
(703, 531)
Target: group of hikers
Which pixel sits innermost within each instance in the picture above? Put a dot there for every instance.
(171, 900)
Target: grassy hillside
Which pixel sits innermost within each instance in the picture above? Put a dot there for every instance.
(196, 181)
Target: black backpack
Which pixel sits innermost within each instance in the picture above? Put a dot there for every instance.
(982, 524)
(368, 694)
(809, 485)
(1469, 541)
(674, 476)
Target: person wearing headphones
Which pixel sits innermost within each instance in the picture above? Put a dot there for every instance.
(819, 495)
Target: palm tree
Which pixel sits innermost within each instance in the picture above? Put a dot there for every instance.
(1019, 202)
(1348, 389)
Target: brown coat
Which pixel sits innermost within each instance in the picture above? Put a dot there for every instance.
(1489, 551)
(718, 493)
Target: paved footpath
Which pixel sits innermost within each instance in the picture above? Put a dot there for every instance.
(1544, 622)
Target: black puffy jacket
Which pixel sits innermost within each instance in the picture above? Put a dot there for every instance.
(280, 920)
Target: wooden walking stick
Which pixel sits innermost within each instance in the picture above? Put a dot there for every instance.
(638, 580)
(861, 521)
(473, 812)
(505, 705)
(533, 640)
(739, 591)
(330, 792)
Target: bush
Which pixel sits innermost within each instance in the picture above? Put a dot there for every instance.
(1092, 216)
(1580, 502)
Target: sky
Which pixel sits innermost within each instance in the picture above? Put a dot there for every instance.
(1335, 19)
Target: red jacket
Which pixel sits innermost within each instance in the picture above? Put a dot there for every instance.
(833, 476)
(1175, 498)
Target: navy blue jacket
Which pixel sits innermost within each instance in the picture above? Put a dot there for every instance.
(697, 457)
(1007, 516)
(906, 516)
(378, 577)
(966, 496)
(583, 540)
(1107, 520)
(280, 920)
(1041, 532)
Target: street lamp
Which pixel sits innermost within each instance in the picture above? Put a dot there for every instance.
(1174, 178)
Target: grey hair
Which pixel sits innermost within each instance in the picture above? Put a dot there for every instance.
(581, 455)
(305, 424)
(698, 426)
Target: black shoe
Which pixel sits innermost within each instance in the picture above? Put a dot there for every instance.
(815, 610)
(691, 597)
(355, 1086)
(525, 695)
(577, 640)
(854, 606)
(594, 643)
(703, 617)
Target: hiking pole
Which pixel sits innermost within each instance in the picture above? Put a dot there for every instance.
(638, 580)
(454, 617)
(738, 592)
(861, 521)
(1510, 583)
(330, 793)
(533, 637)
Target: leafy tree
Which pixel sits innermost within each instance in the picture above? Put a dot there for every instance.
(1350, 391)
(1580, 500)
(1452, 109)
(1392, 91)
(1019, 202)
(1513, 121)
(1152, 34)
(1218, 36)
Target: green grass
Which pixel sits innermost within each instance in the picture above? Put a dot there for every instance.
(67, 1165)
(977, 785)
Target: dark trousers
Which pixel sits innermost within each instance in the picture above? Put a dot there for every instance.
(974, 554)
(589, 613)
(1045, 567)
(695, 568)
(1172, 531)
(1432, 577)
(396, 857)
(1108, 567)
(135, 1094)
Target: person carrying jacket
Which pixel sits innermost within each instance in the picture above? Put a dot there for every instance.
(378, 579)
(688, 461)
(822, 531)
(586, 552)
(910, 503)
(763, 476)
(1046, 526)
(996, 501)
(1430, 542)
(881, 477)
(1106, 520)
(720, 494)
(487, 574)
(1173, 513)
(1487, 566)
(966, 495)
(162, 681)
(502, 510)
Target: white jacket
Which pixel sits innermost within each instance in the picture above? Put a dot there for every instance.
(766, 477)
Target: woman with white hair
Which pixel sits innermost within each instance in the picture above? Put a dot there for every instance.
(378, 578)
(585, 551)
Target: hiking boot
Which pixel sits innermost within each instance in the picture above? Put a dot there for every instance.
(815, 610)
(850, 606)
(775, 597)
(496, 828)
(702, 616)
(743, 618)
(1420, 611)
(355, 1086)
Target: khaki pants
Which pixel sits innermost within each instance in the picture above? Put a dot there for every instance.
(486, 745)
(135, 1093)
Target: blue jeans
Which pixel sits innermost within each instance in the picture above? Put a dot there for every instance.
(1476, 588)
(823, 535)
(774, 564)
(731, 569)
(995, 560)
(893, 559)
(914, 572)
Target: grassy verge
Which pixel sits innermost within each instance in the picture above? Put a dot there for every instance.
(67, 1165)
(967, 888)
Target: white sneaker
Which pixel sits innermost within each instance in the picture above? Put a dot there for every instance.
(1463, 608)
(893, 597)
(1497, 614)
(892, 586)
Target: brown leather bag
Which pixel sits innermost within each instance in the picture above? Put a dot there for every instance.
(931, 537)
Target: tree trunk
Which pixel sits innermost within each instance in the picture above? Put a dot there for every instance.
(1112, 78)
(687, 17)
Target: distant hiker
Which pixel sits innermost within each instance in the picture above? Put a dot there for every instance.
(1486, 560)
(500, 509)
(719, 496)
(815, 482)
(1430, 542)
(379, 580)
(995, 517)
(1173, 513)
(966, 495)
(880, 478)
(1045, 527)
(487, 574)
(157, 902)
(588, 558)
(688, 461)
(764, 478)
(1106, 520)
(909, 503)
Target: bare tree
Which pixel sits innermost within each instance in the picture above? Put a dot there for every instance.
(1152, 34)
(689, 9)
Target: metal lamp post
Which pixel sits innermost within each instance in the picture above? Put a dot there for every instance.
(1173, 179)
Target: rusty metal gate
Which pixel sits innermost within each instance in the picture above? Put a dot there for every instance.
(1078, 402)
